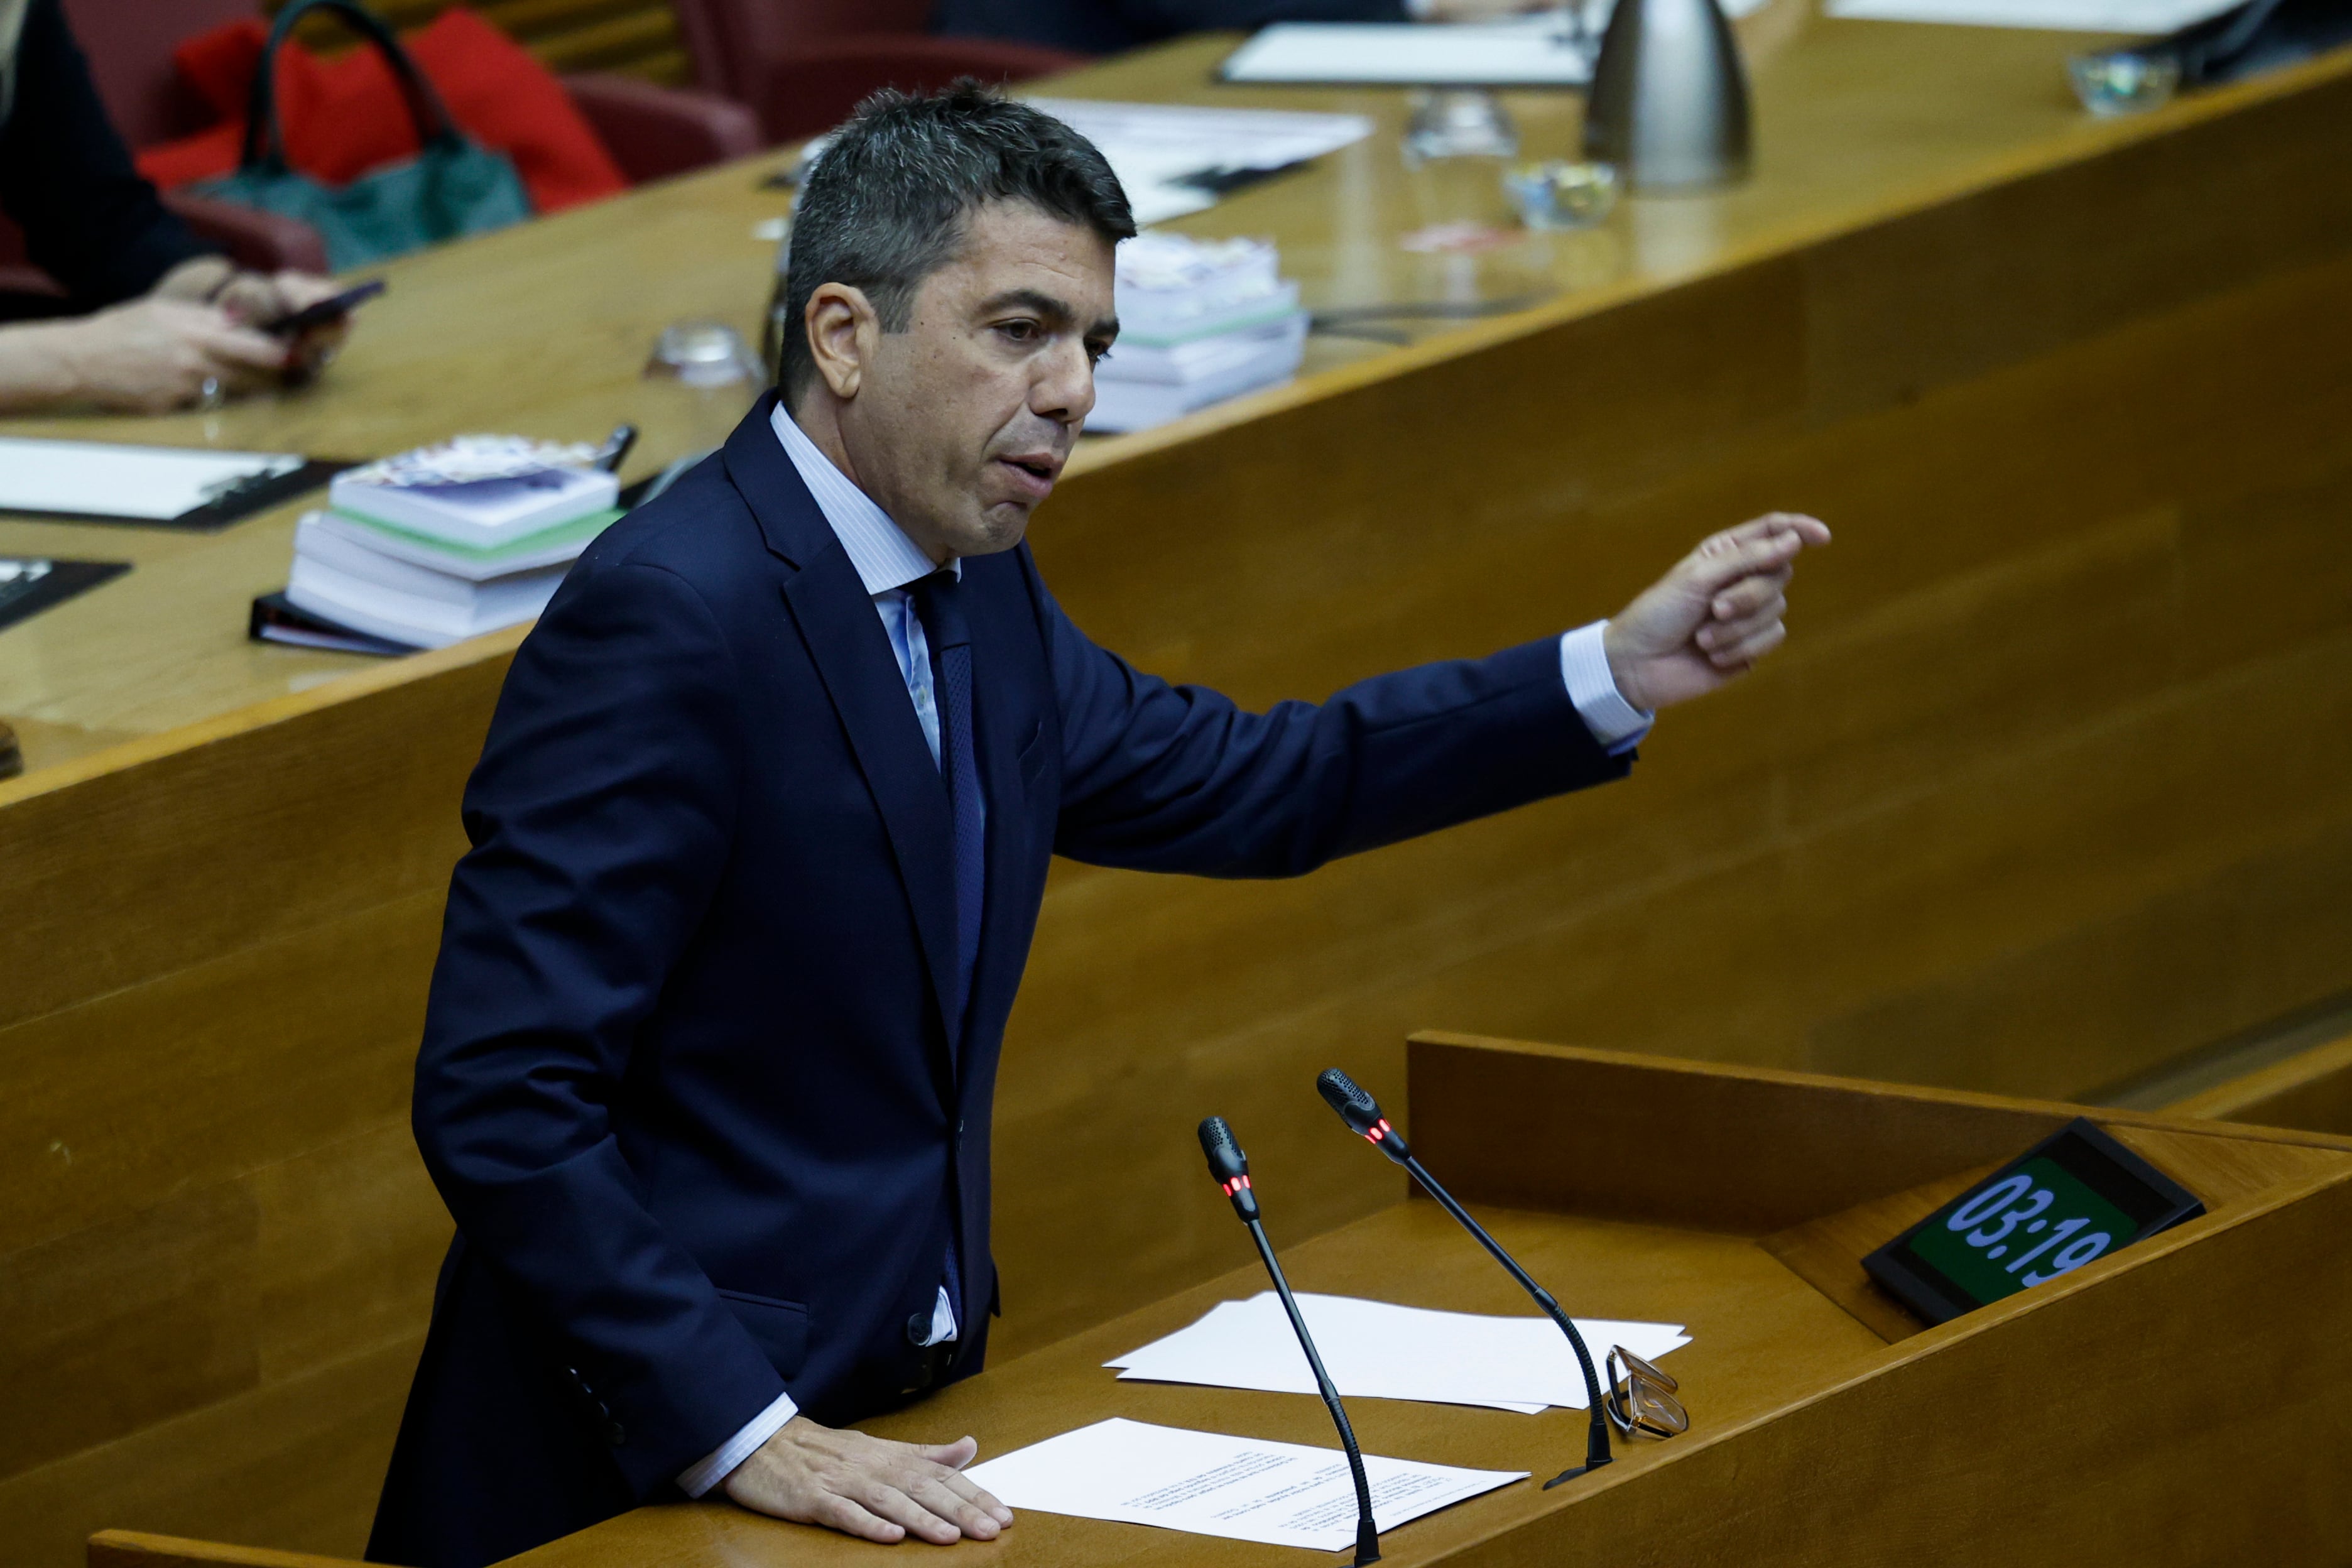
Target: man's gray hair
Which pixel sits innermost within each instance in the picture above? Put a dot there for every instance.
(889, 201)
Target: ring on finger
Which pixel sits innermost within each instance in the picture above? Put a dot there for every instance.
(209, 396)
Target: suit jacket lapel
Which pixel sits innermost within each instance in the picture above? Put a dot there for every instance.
(852, 654)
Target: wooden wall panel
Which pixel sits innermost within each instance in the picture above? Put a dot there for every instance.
(206, 1073)
(123, 1326)
(293, 1465)
(217, 838)
(2311, 1090)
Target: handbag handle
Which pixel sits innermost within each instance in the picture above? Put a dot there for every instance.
(265, 140)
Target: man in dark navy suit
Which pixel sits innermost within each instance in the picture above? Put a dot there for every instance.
(759, 836)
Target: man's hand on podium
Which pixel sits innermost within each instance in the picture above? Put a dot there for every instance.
(867, 1486)
(1706, 622)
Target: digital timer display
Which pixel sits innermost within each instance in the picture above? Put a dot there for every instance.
(2077, 1196)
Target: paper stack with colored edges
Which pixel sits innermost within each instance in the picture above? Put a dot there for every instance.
(1199, 322)
(445, 543)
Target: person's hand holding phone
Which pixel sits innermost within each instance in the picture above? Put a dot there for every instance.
(267, 302)
(259, 302)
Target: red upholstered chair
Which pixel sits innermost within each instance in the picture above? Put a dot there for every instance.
(803, 65)
(651, 132)
(654, 132)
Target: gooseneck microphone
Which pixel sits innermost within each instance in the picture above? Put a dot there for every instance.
(1362, 1114)
(1229, 1168)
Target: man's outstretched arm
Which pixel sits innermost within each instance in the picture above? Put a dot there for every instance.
(1168, 778)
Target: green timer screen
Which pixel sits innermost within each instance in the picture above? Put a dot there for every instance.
(2075, 1196)
(2030, 1226)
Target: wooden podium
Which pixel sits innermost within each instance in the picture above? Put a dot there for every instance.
(2174, 1402)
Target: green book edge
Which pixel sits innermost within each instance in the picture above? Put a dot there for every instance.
(1217, 329)
(583, 528)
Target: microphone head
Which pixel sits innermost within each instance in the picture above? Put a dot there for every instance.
(1227, 1163)
(1359, 1111)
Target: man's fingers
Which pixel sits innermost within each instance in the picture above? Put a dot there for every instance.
(1724, 633)
(1717, 639)
(1748, 650)
(937, 1493)
(891, 1503)
(1810, 530)
(1751, 596)
(955, 1456)
(1710, 570)
(846, 1515)
(980, 1496)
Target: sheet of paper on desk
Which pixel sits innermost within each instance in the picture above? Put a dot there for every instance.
(2063, 16)
(1409, 54)
(1533, 51)
(1374, 1350)
(1151, 146)
(95, 479)
(1243, 1489)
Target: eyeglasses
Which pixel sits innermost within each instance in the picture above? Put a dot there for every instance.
(1641, 1398)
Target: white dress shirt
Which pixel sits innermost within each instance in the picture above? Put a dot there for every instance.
(887, 562)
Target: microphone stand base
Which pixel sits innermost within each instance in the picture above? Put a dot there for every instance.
(1570, 1475)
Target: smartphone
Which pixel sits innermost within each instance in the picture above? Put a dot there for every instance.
(326, 312)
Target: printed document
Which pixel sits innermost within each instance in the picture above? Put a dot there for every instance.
(1243, 1489)
(1375, 1350)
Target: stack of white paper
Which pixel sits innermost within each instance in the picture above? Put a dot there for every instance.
(1374, 1350)
(2063, 16)
(1200, 321)
(1155, 148)
(1542, 53)
(1242, 1488)
(1541, 49)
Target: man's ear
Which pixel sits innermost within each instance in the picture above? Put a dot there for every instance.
(843, 332)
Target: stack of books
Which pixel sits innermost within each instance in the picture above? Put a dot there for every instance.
(1200, 321)
(439, 544)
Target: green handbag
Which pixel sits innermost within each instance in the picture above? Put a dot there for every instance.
(452, 188)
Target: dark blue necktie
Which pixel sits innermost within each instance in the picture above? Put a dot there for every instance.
(941, 611)
(943, 623)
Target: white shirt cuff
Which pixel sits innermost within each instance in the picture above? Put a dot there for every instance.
(1616, 723)
(719, 1463)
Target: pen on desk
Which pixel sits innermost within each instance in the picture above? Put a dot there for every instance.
(616, 447)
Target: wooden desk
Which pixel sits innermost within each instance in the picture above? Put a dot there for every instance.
(2069, 697)
(2087, 1421)
(543, 330)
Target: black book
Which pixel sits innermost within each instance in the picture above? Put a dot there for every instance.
(275, 619)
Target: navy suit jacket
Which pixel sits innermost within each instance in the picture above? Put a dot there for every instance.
(686, 1081)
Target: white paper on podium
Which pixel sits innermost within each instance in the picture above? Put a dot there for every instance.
(1375, 1350)
(1243, 1489)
